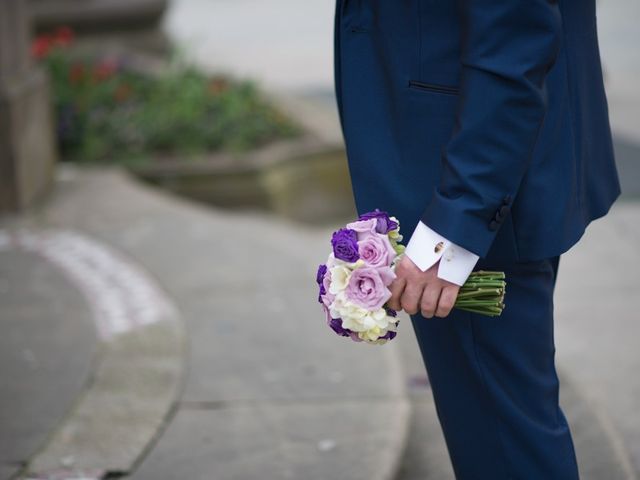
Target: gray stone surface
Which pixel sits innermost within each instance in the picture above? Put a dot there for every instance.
(97, 13)
(598, 324)
(46, 349)
(249, 386)
(7, 471)
(597, 444)
(426, 455)
(27, 153)
(134, 388)
(319, 365)
(316, 440)
(258, 345)
(627, 154)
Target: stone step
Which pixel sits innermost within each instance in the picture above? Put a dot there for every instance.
(269, 391)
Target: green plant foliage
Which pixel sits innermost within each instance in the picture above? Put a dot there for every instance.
(107, 112)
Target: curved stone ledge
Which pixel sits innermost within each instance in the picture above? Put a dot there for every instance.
(304, 179)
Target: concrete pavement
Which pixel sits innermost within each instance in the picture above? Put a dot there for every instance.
(47, 349)
(268, 389)
(266, 392)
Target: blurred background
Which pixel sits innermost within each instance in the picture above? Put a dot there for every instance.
(170, 174)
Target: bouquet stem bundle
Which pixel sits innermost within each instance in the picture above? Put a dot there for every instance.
(483, 293)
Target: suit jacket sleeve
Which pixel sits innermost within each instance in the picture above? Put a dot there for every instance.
(507, 49)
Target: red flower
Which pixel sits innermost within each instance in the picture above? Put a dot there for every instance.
(41, 46)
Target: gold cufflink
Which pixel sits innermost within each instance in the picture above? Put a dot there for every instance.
(438, 247)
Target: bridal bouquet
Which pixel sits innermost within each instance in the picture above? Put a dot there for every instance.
(354, 282)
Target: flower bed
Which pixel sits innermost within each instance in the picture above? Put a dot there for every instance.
(107, 111)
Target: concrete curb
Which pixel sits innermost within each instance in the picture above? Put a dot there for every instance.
(134, 390)
(137, 375)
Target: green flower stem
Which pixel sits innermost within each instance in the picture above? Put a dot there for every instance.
(483, 293)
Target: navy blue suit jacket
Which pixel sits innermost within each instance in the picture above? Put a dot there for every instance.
(485, 119)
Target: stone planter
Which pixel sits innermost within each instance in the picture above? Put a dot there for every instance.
(305, 180)
(106, 26)
(97, 14)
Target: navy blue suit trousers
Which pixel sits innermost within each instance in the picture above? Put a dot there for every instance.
(495, 385)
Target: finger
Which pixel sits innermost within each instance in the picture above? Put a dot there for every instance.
(396, 288)
(429, 300)
(410, 300)
(447, 300)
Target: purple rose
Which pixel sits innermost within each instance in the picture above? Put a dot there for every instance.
(345, 245)
(376, 250)
(336, 324)
(389, 335)
(322, 270)
(384, 224)
(367, 287)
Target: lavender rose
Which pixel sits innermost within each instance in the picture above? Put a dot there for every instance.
(327, 297)
(367, 287)
(376, 250)
(345, 245)
(363, 228)
(384, 223)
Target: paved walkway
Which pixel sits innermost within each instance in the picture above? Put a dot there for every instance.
(46, 353)
(268, 389)
(264, 391)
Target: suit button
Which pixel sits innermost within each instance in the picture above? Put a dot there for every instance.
(507, 199)
(493, 225)
(503, 211)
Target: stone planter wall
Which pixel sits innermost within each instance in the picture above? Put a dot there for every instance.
(97, 14)
(305, 180)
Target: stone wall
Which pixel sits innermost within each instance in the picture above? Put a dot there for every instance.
(97, 14)
(27, 148)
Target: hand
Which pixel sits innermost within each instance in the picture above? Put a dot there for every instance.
(414, 290)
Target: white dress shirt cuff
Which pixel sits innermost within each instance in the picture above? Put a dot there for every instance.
(426, 246)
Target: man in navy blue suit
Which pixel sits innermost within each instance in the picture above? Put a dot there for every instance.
(482, 125)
